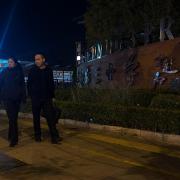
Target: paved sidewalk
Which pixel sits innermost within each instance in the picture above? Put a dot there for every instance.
(84, 155)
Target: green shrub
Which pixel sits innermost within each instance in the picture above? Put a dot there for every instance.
(64, 94)
(106, 96)
(141, 109)
(137, 98)
(131, 117)
(166, 101)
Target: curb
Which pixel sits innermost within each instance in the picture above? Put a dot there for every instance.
(169, 139)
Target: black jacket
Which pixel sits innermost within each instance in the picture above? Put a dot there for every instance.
(40, 83)
(12, 85)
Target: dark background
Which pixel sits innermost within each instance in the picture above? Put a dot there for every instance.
(43, 26)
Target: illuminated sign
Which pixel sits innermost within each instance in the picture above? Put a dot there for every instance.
(63, 76)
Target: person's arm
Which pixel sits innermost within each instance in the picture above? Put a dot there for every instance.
(23, 87)
(51, 84)
(2, 77)
(29, 82)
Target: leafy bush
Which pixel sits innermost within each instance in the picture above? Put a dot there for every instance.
(166, 101)
(137, 98)
(141, 109)
(64, 94)
(122, 97)
(130, 117)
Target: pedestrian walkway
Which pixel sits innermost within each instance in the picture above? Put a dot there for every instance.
(85, 155)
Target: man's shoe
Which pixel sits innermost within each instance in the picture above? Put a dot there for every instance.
(13, 144)
(38, 139)
(60, 139)
(55, 141)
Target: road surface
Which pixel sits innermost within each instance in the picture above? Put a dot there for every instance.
(85, 155)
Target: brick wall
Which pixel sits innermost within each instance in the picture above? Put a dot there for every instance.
(131, 67)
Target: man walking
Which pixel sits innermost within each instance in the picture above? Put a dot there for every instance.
(41, 90)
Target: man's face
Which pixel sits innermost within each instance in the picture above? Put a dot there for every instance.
(39, 60)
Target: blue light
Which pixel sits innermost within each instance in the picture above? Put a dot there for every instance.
(3, 64)
(8, 24)
(4, 61)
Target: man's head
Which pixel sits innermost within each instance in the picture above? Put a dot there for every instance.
(39, 60)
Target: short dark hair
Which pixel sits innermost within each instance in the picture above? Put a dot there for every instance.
(41, 54)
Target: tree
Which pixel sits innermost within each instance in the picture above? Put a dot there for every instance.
(120, 18)
(103, 20)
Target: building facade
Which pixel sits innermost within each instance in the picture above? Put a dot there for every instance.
(149, 66)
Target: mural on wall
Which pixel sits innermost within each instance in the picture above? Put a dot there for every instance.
(80, 78)
(130, 69)
(110, 71)
(175, 84)
(84, 76)
(166, 64)
(142, 67)
(158, 80)
(98, 75)
(87, 76)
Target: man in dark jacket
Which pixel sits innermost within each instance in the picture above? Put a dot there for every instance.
(12, 90)
(41, 90)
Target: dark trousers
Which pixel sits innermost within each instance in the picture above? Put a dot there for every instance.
(47, 107)
(12, 110)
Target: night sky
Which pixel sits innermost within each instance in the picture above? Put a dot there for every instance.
(46, 26)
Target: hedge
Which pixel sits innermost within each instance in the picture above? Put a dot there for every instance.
(166, 101)
(158, 120)
(123, 97)
(141, 109)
